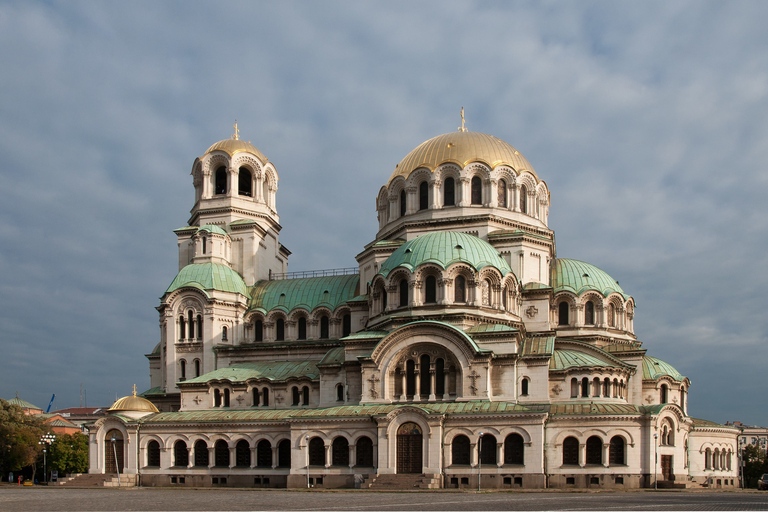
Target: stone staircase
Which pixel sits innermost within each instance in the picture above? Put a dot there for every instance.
(401, 482)
(97, 480)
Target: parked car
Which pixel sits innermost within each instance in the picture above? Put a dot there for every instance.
(762, 484)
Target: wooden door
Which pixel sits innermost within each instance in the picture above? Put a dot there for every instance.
(113, 452)
(409, 448)
(666, 468)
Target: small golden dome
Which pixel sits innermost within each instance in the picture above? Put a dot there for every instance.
(232, 146)
(461, 148)
(133, 403)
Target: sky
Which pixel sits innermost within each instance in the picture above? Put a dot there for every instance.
(647, 120)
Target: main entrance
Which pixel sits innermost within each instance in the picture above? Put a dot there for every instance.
(666, 468)
(409, 448)
(113, 452)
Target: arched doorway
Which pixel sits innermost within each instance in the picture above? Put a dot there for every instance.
(409, 448)
(113, 452)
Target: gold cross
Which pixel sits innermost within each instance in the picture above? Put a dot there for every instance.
(463, 128)
(134, 390)
(236, 136)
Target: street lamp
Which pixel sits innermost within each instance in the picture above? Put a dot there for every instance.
(655, 461)
(307, 440)
(479, 460)
(46, 440)
(117, 465)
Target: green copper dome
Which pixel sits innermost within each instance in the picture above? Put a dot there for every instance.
(579, 277)
(444, 248)
(209, 276)
(213, 229)
(654, 368)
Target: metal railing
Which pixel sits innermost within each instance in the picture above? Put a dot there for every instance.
(314, 273)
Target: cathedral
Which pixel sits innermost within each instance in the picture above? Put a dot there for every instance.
(461, 352)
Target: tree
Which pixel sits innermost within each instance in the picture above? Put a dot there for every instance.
(69, 453)
(754, 464)
(19, 438)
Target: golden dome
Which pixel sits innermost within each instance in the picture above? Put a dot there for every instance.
(133, 403)
(232, 146)
(461, 148)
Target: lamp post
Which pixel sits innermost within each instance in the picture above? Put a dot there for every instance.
(117, 465)
(307, 440)
(46, 440)
(655, 461)
(479, 460)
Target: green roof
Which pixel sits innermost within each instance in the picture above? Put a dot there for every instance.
(654, 368)
(209, 276)
(444, 248)
(491, 329)
(563, 359)
(579, 277)
(366, 335)
(270, 370)
(23, 403)
(537, 346)
(593, 408)
(307, 293)
(213, 229)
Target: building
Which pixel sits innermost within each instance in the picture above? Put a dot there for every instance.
(460, 346)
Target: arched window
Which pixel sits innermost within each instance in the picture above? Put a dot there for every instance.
(364, 452)
(594, 450)
(502, 198)
(589, 313)
(197, 367)
(574, 388)
(244, 182)
(667, 433)
(340, 452)
(439, 377)
(523, 199)
(220, 186)
(477, 191)
(280, 330)
(258, 330)
(305, 394)
(302, 328)
(346, 325)
(616, 454)
(607, 388)
(460, 450)
(221, 454)
(316, 452)
(424, 375)
(339, 392)
(264, 454)
(284, 454)
(664, 394)
(191, 326)
(323, 327)
(266, 397)
(585, 387)
(410, 378)
(459, 289)
(255, 397)
(199, 327)
(430, 292)
(571, 451)
(180, 454)
(182, 327)
(153, 454)
(596, 386)
(562, 313)
(488, 449)
(201, 454)
(524, 386)
(423, 195)
(226, 397)
(514, 450)
(682, 398)
(449, 196)
(296, 397)
(224, 333)
(402, 203)
(708, 458)
(611, 315)
(205, 240)
(183, 369)
(403, 289)
(242, 454)
(216, 398)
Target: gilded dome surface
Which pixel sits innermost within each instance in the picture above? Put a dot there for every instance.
(461, 148)
(133, 403)
(232, 146)
(444, 248)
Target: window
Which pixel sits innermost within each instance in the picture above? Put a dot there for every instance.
(424, 374)
(302, 328)
(430, 293)
(340, 452)
(403, 288)
(513, 450)
(316, 452)
(305, 394)
(574, 388)
(589, 313)
(523, 199)
(664, 394)
(364, 452)
(460, 450)
(224, 334)
(197, 367)
(594, 450)
(667, 433)
(242, 454)
(402, 203)
(502, 200)
(191, 326)
(346, 325)
(323, 327)
(199, 327)
(226, 398)
(460, 289)
(585, 387)
(708, 459)
(616, 454)
(611, 315)
(216, 398)
(423, 195)
(220, 186)
(296, 398)
(153, 454)
(280, 330)
(183, 369)
(449, 197)
(477, 191)
(255, 397)
(439, 377)
(487, 449)
(221, 454)
(258, 330)
(182, 327)
(204, 245)
(244, 182)
(570, 451)
(266, 397)
(284, 454)
(339, 393)
(410, 377)
(201, 454)
(562, 313)
(264, 454)
(524, 387)
(682, 398)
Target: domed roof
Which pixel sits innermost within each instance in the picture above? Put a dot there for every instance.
(213, 229)
(445, 248)
(461, 148)
(578, 277)
(232, 146)
(654, 368)
(133, 403)
(563, 359)
(209, 276)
